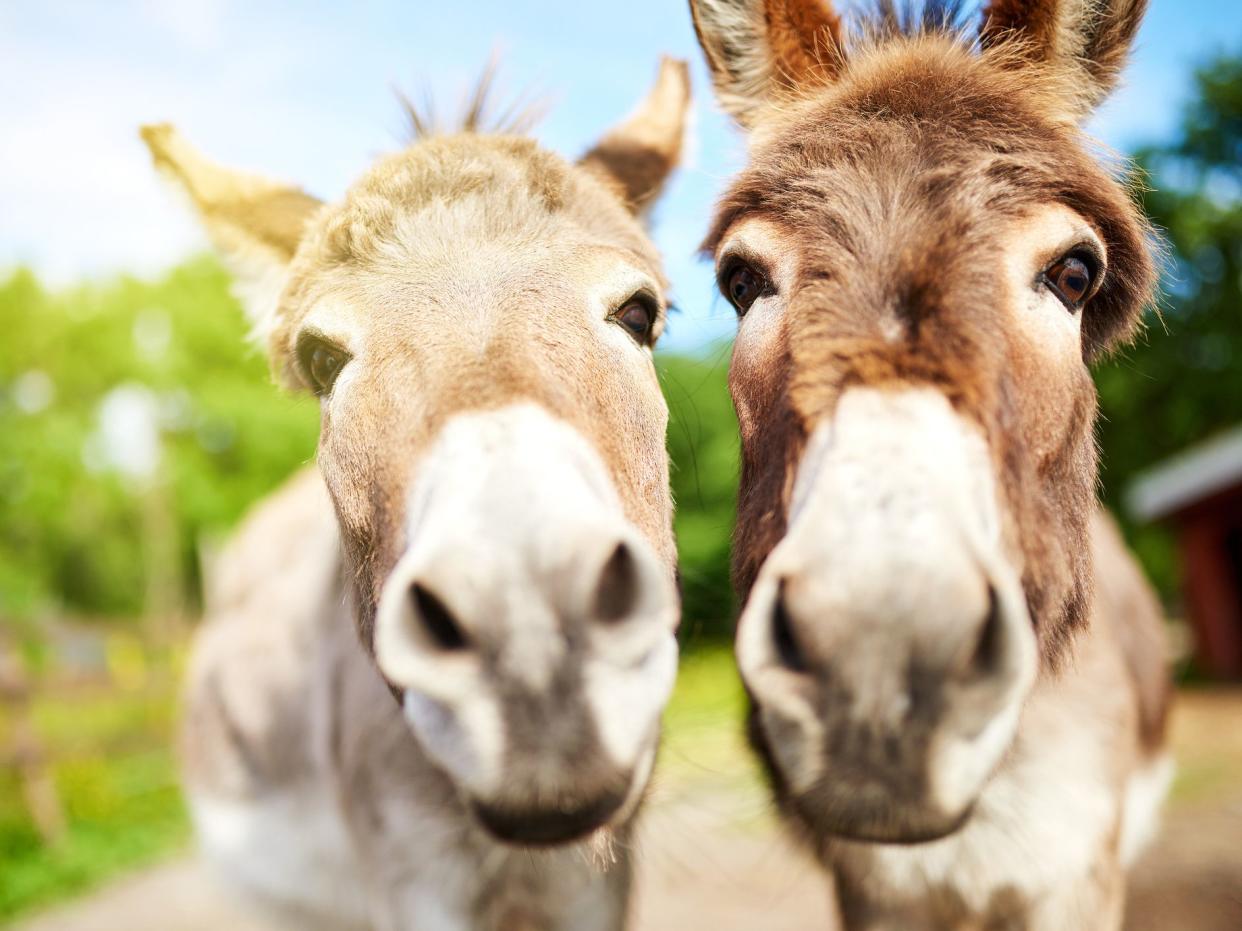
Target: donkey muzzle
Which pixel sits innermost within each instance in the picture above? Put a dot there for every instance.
(529, 625)
(886, 644)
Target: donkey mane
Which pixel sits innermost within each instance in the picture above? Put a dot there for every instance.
(479, 113)
(886, 19)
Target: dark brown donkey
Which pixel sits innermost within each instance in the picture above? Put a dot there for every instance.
(956, 670)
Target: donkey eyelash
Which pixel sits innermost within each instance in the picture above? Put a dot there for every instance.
(304, 352)
(648, 300)
(732, 260)
(655, 313)
(1086, 250)
(1086, 254)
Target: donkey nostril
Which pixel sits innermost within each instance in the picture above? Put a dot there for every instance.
(617, 591)
(436, 619)
(985, 659)
(783, 636)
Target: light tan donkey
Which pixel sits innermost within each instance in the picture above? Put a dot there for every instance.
(963, 724)
(428, 696)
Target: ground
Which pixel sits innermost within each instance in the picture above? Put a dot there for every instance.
(712, 853)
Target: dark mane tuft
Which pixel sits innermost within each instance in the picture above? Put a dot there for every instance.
(886, 19)
(478, 112)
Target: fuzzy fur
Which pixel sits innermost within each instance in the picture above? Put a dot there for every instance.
(889, 188)
(467, 273)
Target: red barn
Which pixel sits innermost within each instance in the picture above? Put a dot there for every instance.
(1200, 493)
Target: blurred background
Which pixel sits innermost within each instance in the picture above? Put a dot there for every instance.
(137, 425)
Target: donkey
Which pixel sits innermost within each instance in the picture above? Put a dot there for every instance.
(925, 258)
(429, 693)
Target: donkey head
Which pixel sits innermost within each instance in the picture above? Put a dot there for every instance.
(924, 257)
(477, 318)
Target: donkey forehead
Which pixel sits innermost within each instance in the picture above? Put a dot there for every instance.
(434, 195)
(471, 288)
(910, 166)
(469, 236)
(926, 128)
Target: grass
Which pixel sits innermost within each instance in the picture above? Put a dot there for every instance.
(703, 726)
(114, 773)
(1207, 744)
(116, 777)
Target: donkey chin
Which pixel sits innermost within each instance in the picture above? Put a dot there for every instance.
(886, 644)
(529, 629)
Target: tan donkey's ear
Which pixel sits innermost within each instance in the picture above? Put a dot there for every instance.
(256, 224)
(640, 153)
(1087, 40)
(758, 50)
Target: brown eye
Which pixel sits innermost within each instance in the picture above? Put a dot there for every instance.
(1070, 279)
(321, 364)
(638, 318)
(743, 286)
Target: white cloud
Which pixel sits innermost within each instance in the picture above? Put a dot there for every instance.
(195, 24)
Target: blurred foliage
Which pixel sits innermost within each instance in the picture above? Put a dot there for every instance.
(81, 517)
(74, 524)
(1182, 381)
(91, 510)
(75, 518)
(703, 446)
(108, 752)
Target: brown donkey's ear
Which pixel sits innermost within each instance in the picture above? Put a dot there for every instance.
(1088, 40)
(256, 224)
(640, 153)
(759, 49)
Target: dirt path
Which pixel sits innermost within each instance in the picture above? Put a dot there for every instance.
(712, 856)
(177, 896)
(697, 860)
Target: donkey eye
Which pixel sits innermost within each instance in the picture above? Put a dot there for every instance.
(321, 364)
(638, 318)
(742, 285)
(1071, 278)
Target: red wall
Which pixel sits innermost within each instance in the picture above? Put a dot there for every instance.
(1213, 582)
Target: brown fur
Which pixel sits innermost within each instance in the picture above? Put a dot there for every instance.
(892, 192)
(1071, 35)
(956, 143)
(802, 45)
(806, 40)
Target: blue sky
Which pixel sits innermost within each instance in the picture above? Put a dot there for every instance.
(303, 91)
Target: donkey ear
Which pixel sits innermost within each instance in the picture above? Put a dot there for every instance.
(758, 49)
(256, 224)
(1089, 40)
(640, 153)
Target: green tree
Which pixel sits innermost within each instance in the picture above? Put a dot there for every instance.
(75, 529)
(1182, 381)
(703, 447)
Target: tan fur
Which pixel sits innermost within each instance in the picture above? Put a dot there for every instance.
(643, 149)
(894, 193)
(468, 273)
(234, 206)
(1125, 599)
(281, 705)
